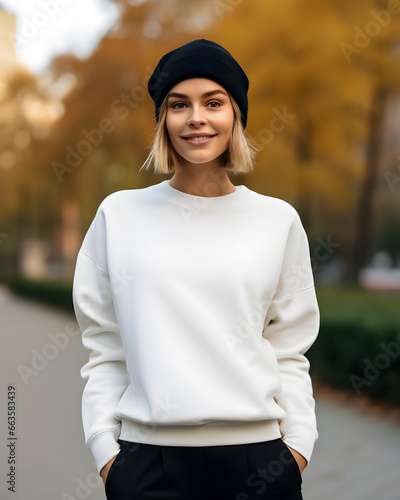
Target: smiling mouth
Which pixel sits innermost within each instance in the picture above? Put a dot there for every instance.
(198, 138)
(202, 138)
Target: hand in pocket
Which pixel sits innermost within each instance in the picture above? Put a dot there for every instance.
(105, 470)
(301, 461)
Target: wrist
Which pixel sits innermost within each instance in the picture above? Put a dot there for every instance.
(301, 461)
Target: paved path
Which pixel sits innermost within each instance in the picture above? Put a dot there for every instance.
(356, 458)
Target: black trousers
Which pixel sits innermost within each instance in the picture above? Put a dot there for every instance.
(255, 471)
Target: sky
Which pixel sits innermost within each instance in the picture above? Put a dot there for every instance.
(46, 28)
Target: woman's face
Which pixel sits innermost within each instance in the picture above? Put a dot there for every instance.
(200, 108)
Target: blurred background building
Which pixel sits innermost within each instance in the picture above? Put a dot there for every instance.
(7, 43)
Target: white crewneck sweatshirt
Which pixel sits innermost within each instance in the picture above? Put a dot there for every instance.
(197, 312)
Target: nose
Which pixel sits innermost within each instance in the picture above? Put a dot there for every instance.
(196, 116)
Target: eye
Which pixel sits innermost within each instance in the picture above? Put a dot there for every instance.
(177, 104)
(214, 102)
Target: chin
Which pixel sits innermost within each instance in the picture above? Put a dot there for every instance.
(200, 159)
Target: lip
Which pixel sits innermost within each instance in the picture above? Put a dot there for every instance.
(197, 142)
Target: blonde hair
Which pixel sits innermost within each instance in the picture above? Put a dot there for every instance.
(238, 158)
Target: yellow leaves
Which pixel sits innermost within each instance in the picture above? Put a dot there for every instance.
(291, 51)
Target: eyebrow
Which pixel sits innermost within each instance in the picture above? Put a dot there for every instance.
(206, 94)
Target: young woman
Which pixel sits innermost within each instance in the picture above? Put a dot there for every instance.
(196, 300)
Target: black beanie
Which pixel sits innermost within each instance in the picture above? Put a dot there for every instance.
(199, 59)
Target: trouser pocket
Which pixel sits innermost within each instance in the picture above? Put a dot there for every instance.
(273, 471)
(117, 469)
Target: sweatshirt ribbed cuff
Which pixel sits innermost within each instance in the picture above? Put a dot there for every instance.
(301, 438)
(104, 447)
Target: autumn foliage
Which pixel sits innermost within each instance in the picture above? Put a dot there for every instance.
(323, 83)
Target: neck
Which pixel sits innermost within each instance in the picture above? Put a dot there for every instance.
(202, 180)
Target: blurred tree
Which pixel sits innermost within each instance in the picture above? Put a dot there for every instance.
(376, 58)
(27, 112)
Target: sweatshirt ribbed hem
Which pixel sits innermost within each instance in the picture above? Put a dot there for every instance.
(212, 434)
(104, 447)
(301, 438)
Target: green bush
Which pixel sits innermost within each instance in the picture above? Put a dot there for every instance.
(358, 346)
(55, 292)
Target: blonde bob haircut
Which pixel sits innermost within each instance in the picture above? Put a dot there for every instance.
(238, 158)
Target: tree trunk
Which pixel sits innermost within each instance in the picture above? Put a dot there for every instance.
(362, 243)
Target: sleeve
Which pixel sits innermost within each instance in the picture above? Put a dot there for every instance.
(291, 326)
(105, 371)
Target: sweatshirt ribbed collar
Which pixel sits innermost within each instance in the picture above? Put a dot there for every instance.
(200, 203)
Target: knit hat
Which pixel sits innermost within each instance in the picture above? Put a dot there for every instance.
(199, 59)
